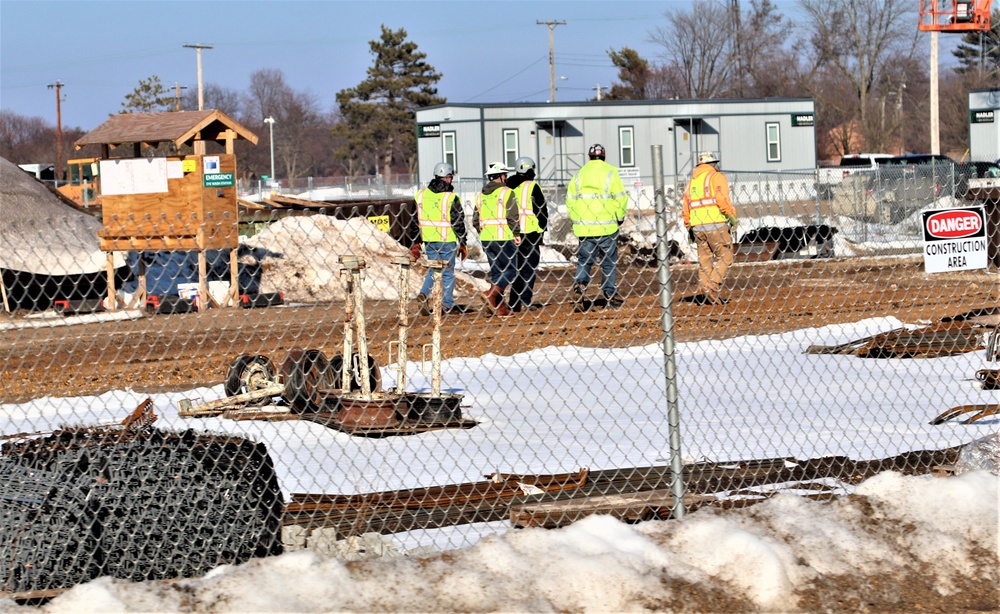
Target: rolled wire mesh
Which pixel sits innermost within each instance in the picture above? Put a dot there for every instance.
(564, 398)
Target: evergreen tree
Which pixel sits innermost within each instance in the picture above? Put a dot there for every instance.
(149, 97)
(979, 52)
(633, 72)
(378, 114)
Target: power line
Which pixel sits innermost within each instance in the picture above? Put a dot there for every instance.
(505, 80)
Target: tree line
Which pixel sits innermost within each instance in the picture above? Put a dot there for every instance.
(863, 62)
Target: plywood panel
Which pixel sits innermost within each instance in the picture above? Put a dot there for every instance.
(188, 215)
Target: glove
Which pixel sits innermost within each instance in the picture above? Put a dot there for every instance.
(733, 223)
(463, 252)
(415, 251)
(691, 235)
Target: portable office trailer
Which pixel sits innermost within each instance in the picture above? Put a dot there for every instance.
(984, 124)
(750, 135)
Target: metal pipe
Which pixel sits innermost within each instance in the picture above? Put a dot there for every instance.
(404, 322)
(345, 379)
(437, 267)
(354, 264)
(667, 323)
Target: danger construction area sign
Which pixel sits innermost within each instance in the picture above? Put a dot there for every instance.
(955, 240)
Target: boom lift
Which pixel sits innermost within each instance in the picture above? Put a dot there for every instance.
(955, 15)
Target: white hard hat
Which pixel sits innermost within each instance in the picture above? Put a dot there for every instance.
(497, 168)
(707, 157)
(523, 164)
(443, 169)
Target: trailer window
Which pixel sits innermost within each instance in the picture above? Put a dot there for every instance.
(773, 142)
(509, 147)
(626, 148)
(448, 149)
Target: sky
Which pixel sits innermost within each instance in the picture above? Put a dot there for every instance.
(486, 51)
(924, 529)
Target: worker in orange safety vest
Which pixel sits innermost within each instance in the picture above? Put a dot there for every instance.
(710, 219)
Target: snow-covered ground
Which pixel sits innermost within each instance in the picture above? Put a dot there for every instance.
(557, 409)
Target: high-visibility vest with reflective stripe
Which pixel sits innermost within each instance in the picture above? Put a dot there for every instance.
(704, 205)
(596, 213)
(525, 211)
(434, 215)
(493, 216)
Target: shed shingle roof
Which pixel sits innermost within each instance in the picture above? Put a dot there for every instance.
(180, 127)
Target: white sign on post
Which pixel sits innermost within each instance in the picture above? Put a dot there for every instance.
(629, 172)
(134, 176)
(955, 239)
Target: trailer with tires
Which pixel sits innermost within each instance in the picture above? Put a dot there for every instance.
(345, 391)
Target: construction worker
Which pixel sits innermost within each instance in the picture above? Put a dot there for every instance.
(442, 233)
(495, 216)
(597, 201)
(533, 217)
(710, 218)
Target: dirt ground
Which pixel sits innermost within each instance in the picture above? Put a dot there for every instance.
(180, 351)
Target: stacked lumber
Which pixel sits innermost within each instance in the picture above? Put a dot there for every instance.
(940, 339)
(630, 494)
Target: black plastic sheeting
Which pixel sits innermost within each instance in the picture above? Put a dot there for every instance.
(794, 242)
(164, 270)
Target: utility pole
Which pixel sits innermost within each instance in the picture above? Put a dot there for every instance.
(552, 56)
(598, 88)
(57, 86)
(177, 94)
(198, 47)
(737, 32)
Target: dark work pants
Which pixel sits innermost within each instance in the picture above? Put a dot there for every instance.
(529, 252)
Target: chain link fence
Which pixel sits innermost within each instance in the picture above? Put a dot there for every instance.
(289, 393)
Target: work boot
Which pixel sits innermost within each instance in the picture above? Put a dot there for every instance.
(495, 302)
(614, 301)
(425, 309)
(578, 290)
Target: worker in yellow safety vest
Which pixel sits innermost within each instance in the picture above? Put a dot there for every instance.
(533, 217)
(441, 222)
(597, 201)
(495, 216)
(710, 218)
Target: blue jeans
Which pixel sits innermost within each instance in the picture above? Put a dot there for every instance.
(501, 255)
(522, 289)
(439, 250)
(603, 250)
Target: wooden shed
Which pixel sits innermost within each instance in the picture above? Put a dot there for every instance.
(183, 202)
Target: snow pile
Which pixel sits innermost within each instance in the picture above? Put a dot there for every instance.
(936, 536)
(300, 256)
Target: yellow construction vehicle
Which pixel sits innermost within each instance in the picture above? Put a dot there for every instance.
(83, 187)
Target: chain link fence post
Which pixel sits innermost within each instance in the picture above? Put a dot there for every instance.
(667, 323)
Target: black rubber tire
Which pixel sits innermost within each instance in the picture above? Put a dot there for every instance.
(374, 373)
(308, 380)
(245, 370)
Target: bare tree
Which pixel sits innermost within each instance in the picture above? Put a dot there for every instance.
(296, 116)
(697, 44)
(714, 50)
(767, 64)
(860, 39)
(225, 99)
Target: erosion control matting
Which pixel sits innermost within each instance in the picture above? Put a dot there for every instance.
(131, 502)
